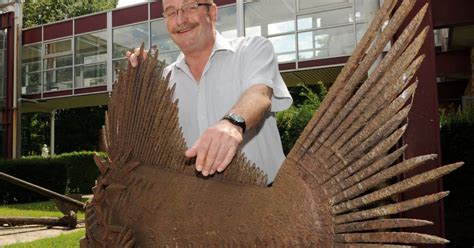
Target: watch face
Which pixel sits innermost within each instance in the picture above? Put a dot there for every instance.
(237, 118)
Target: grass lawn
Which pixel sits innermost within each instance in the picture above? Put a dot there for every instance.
(36, 209)
(70, 240)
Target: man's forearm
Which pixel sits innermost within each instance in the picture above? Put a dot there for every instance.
(253, 104)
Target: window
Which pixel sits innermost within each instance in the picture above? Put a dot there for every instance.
(125, 39)
(226, 21)
(325, 19)
(91, 48)
(326, 42)
(31, 69)
(129, 37)
(57, 64)
(160, 39)
(262, 17)
(285, 47)
(278, 24)
(90, 75)
(333, 27)
(91, 59)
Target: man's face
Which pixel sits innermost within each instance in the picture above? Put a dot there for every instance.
(192, 31)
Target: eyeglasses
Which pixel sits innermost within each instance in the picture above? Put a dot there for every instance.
(189, 8)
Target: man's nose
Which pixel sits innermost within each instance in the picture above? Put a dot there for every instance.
(180, 17)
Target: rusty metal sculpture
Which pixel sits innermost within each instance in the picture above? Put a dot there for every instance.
(325, 194)
(69, 220)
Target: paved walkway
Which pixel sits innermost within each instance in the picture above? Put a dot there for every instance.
(22, 234)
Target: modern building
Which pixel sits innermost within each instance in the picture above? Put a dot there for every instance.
(73, 63)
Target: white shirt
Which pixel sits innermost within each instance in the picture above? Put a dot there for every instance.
(234, 66)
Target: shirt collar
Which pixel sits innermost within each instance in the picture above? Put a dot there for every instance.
(221, 44)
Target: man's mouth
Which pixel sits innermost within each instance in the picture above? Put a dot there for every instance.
(184, 29)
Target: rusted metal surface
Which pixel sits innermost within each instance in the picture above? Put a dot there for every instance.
(380, 224)
(330, 192)
(67, 221)
(42, 191)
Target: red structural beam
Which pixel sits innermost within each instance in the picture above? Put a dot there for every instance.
(57, 30)
(422, 135)
(129, 15)
(452, 12)
(7, 22)
(90, 23)
(32, 35)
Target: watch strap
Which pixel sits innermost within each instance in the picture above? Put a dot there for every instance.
(236, 119)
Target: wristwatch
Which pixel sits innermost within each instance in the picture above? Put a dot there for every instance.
(236, 120)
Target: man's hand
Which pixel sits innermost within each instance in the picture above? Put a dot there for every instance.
(133, 57)
(216, 147)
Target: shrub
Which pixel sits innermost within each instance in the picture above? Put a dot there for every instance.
(66, 173)
(47, 173)
(457, 144)
(292, 121)
(81, 171)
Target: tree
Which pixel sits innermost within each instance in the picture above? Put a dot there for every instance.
(34, 132)
(37, 12)
(78, 129)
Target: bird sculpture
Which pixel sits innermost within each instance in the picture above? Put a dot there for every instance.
(331, 190)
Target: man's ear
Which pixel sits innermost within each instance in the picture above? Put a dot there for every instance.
(213, 12)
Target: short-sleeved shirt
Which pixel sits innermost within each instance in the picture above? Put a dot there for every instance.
(234, 66)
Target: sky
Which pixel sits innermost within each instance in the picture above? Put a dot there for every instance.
(122, 3)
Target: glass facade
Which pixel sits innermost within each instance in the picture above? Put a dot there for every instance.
(226, 23)
(278, 24)
(312, 30)
(90, 59)
(129, 37)
(57, 65)
(299, 30)
(31, 69)
(161, 40)
(125, 39)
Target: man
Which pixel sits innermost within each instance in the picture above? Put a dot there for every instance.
(227, 90)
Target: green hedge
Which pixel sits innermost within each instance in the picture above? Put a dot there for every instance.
(457, 144)
(291, 122)
(66, 173)
(81, 171)
(45, 173)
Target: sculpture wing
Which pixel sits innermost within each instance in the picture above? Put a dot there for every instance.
(346, 147)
